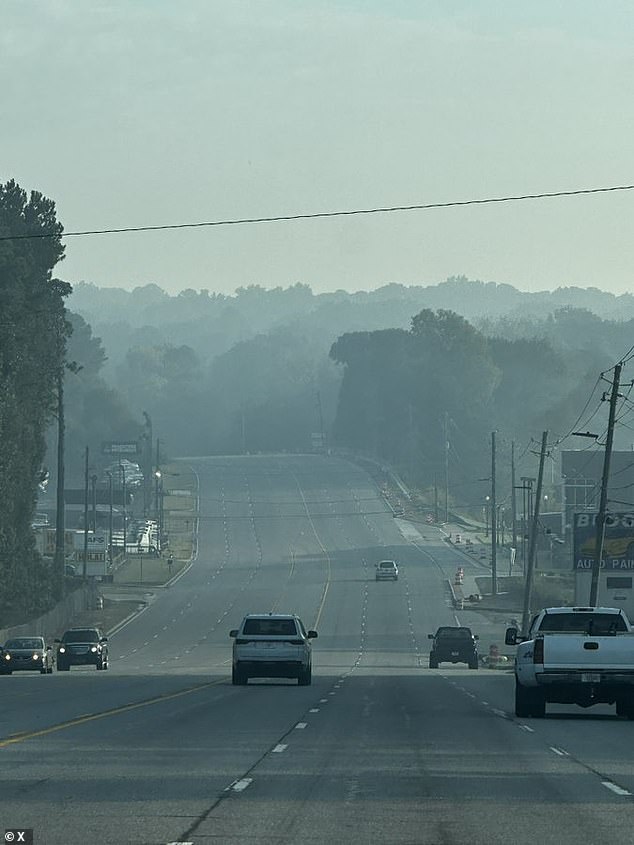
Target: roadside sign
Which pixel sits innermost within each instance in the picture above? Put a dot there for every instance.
(120, 447)
(96, 542)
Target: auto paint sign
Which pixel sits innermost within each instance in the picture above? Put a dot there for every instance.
(618, 543)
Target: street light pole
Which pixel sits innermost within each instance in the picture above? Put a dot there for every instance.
(125, 510)
(157, 476)
(109, 474)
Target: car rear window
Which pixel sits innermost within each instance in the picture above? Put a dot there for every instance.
(387, 564)
(25, 642)
(594, 624)
(270, 627)
(81, 636)
(454, 633)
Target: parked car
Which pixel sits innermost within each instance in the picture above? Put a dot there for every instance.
(272, 645)
(21, 654)
(82, 647)
(386, 570)
(453, 644)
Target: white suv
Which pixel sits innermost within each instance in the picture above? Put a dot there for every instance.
(272, 645)
(386, 570)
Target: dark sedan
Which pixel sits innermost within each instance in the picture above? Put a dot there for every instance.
(26, 654)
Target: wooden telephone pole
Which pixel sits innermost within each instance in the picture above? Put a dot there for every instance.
(603, 503)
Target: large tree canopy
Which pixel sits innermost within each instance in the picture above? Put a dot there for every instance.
(33, 332)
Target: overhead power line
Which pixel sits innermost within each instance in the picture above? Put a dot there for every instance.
(280, 218)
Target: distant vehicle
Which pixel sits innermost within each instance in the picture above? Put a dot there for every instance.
(453, 644)
(21, 654)
(574, 655)
(82, 647)
(458, 538)
(70, 569)
(272, 645)
(386, 570)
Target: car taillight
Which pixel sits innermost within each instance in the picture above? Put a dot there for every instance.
(296, 642)
(243, 642)
(538, 651)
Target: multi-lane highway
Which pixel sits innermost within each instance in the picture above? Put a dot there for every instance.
(380, 749)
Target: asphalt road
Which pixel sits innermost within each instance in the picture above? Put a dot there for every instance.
(380, 749)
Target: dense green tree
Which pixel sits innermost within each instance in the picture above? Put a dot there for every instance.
(33, 332)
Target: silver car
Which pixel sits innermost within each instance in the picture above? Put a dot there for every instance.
(21, 654)
(272, 645)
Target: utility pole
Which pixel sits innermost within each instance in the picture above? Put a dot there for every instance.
(494, 561)
(147, 464)
(320, 418)
(60, 551)
(603, 503)
(513, 498)
(93, 482)
(125, 511)
(109, 474)
(85, 563)
(435, 501)
(528, 588)
(446, 466)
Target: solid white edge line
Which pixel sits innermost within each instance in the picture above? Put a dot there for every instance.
(558, 751)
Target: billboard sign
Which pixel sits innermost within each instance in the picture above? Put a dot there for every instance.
(96, 542)
(618, 545)
(120, 447)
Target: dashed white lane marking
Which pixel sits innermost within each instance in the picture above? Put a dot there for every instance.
(499, 713)
(486, 703)
(279, 748)
(527, 728)
(300, 726)
(560, 751)
(180, 843)
(332, 693)
(314, 710)
(618, 790)
(241, 785)
(323, 701)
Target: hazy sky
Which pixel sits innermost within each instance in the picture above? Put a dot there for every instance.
(133, 112)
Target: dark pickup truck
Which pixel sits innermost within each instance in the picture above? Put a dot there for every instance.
(453, 645)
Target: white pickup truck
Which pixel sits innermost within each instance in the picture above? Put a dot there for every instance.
(574, 655)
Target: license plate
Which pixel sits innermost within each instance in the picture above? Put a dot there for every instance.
(266, 645)
(591, 677)
(455, 653)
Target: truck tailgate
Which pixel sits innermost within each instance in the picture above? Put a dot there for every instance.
(575, 651)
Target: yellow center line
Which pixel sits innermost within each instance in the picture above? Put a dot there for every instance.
(80, 720)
